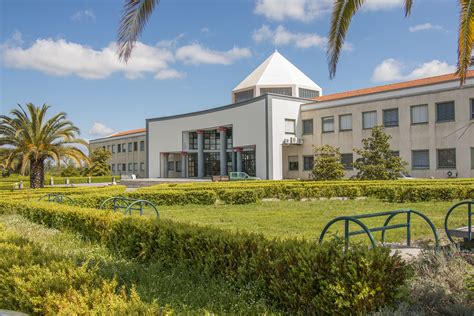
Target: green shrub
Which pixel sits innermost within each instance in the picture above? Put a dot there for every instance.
(239, 196)
(176, 197)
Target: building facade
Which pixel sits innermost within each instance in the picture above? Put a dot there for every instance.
(128, 151)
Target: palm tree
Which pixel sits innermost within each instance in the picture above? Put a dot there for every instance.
(344, 10)
(32, 139)
(137, 12)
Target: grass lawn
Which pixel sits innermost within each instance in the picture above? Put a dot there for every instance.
(294, 219)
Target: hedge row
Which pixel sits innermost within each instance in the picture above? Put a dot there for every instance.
(300, 277)
(9, 182)
(33, 194)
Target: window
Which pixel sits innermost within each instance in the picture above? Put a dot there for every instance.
(472, 109)
(142, 166)
(212, 140)
(308, 163)
(369, 119)
(243, 95)
(178, 166)
(445, 112)
(108, 147)
(419, 114)
(123, 148)
(170, 165)
(396, 153)
(446, 158)
(113, 149)
(328, 124)
(193, 140)
(347, 161)
(130, 166)
(124, 167)
(135, 146)
(289, 126)
(390, 117)
(142, 145)
(345, 122)
(113, 167)
(282, 90)
(118, 167)
(307, 127)
(308, 94)
(130, 148)
(293, 163)
(420, 159)
(472, 158)
(135, 166)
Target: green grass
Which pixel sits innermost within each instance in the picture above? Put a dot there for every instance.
(294, 219)
(183, 290)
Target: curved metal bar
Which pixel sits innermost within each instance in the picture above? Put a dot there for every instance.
(146, 202)
(55, 197)
(451, 209)
(432, 226)
(352, 219)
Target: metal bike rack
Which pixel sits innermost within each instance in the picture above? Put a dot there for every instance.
(55, 197)
(462, 232)
(129, 205)
(368, 231)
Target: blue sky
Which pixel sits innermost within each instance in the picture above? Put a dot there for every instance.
(193, 53)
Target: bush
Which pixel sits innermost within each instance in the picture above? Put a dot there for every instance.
(299, 276)
(176, 197)
(239, 196)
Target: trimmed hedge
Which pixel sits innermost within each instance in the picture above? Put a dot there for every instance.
(239, 196)
(299, 276)
(8, 182)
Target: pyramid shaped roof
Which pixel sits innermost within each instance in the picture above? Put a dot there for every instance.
(276, 70)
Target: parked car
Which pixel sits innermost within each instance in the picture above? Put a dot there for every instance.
(240, 176)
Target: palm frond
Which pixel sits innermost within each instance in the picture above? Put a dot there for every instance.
(465, 38)
(343, 11)
(135, 16)
(408, 5)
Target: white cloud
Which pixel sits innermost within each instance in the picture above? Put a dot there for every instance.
(99, 129)
(424, 27)
(307, 10)
(169, 74)
(281, 36)
(195, 54)
(395, 70)
(61, 58)
(83, 15)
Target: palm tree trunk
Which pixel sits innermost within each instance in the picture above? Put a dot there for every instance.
(36, 174)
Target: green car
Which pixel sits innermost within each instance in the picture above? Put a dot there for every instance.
(240, 176)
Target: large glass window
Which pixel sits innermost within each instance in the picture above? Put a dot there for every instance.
(446, 158)
(170, 166)
(142, 145)
(124, 167)
(124, 148)
(193, 140)
(308, 94)
(211, 164)
(390, 117)
(293, 163)
(135, 146)
(243, 95)
(347, 161)
(248, 162)
(119, 148)
(118, 167)
(345, 122)
(279, 90)
(178, 166)
(289, 126)
(229, 138)
(130, 147)
(328, 124)
(308, 127)
(369, 119)
(420, 159)
(130, 166)
(445, 111)
(135, 166)
(212, 140)
(192, 165)
(419, 114)
(308, 163)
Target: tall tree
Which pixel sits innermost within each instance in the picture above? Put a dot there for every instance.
(33, 138)
(100, 159)
(327, 163)
(344, 10)
(377, 161)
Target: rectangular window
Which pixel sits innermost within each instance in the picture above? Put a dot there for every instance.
(178, 166)
(345, 122)
(142, 145)
(445, 112)
(108, 147)
(472, 109)
(124, 167)
(193, 140)
(447, 158)
(170, 165)
(289, 126)
(308, 163)
(390, 117)
(308, 94)
(281, 90)
(113, 149)
(347, 161)
(419, 114)
(142, 166)
(369, 119)
(396, 153)
(328, 124)
(119, 148)
(135, 166)
(243, 95)
(130, 166)
(130, 148)
(118, 167)
(113, 167)
(472, 158)
(420, 159)
(293, 163)
(135, 146)
(308, 127)
(123, 148)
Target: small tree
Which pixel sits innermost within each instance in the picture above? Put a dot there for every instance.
(327, 163)
(377, 161)
(100, 163)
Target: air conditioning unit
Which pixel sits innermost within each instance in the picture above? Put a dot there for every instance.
(452, 174)
(296, 141)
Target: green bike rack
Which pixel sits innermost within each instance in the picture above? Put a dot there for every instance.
(463, 232)
(129, 205)
(368, 231)
(55, 197)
